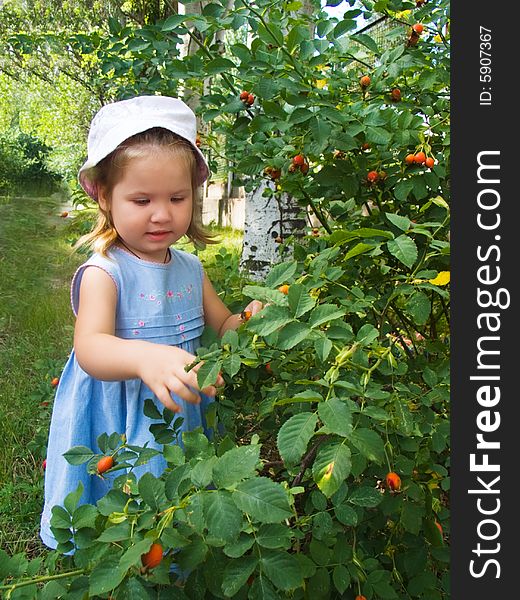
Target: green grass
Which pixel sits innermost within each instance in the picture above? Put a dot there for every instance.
(35, 336)
(36, 331)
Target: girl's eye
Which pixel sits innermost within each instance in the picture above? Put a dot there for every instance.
(177, 198)
(141, 201)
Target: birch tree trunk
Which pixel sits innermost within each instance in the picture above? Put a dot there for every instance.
(268, 221)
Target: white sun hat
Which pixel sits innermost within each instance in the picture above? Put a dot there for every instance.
(116, 122)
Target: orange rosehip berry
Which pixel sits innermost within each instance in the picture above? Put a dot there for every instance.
(153, 557)
(55, 381)
(299, 160)
(284, 289)
(419, 158)
(418, 28)
(372, 176)
(409, 159)
(105, 463)
(395, 94)
(364, 82)
(393, 481)
(430, 162)
(244, 95)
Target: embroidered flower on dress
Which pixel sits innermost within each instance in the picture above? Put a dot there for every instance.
(140, 323)
(182, 327)
(136, 332)
(151, 297)
(170, 294)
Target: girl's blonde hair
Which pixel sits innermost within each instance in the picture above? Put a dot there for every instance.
(109, 171)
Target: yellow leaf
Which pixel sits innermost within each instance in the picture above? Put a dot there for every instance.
(321, 83)
(443, 278)
(437, 38)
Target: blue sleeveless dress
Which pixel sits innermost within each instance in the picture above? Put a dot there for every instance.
(159, 303)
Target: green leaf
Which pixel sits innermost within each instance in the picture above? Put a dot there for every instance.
(263, 499)
(173, 454)
(411, 517)
(281, 273)
(269, 320)
(367, 41)
(84, 516)
(331, 467)
(300, 115)
(366, 334)
(274, 535)
(294, 435)
(207, 374)
(265, 294)
(235, 465)
(262, 589)
(346, 514)
(292, 334)
(172, 22)
(320, 130)
(404, 249)
(419, 307)
(282, 568)
(336, 416)
(323, 346)
(152, 492)
(202, 472)
(223, 519)
(358, 249)
(403, 189)
(72, 499)
(344, 26)
(402, 223)
(78, 455)
(237, 573)
(324, 313)
(113, 501)
(116, 533)
(299, 300)
(219, 65)
(150, 410)
(60, 518)
(369, 443)
(366, 496)
(240, 546)
(378, 135)
(133, 555)
(341, 578)
(231, 364)
(106, 575)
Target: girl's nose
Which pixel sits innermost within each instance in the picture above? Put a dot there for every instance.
(161, 212)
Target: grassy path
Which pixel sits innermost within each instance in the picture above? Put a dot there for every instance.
(35, 338)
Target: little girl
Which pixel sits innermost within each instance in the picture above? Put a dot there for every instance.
(140, 305)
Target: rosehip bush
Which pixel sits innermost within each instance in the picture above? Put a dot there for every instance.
(343, 378)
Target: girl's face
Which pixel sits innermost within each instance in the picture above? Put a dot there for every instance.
(151, 205)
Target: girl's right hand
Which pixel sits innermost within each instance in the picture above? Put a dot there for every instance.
(162, 369)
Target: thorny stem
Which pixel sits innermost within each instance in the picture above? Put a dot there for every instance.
(44, 578)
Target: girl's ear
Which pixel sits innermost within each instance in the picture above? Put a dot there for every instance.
(102, 199)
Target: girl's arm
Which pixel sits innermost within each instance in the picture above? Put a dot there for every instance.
(109, 358)
(217, 315)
